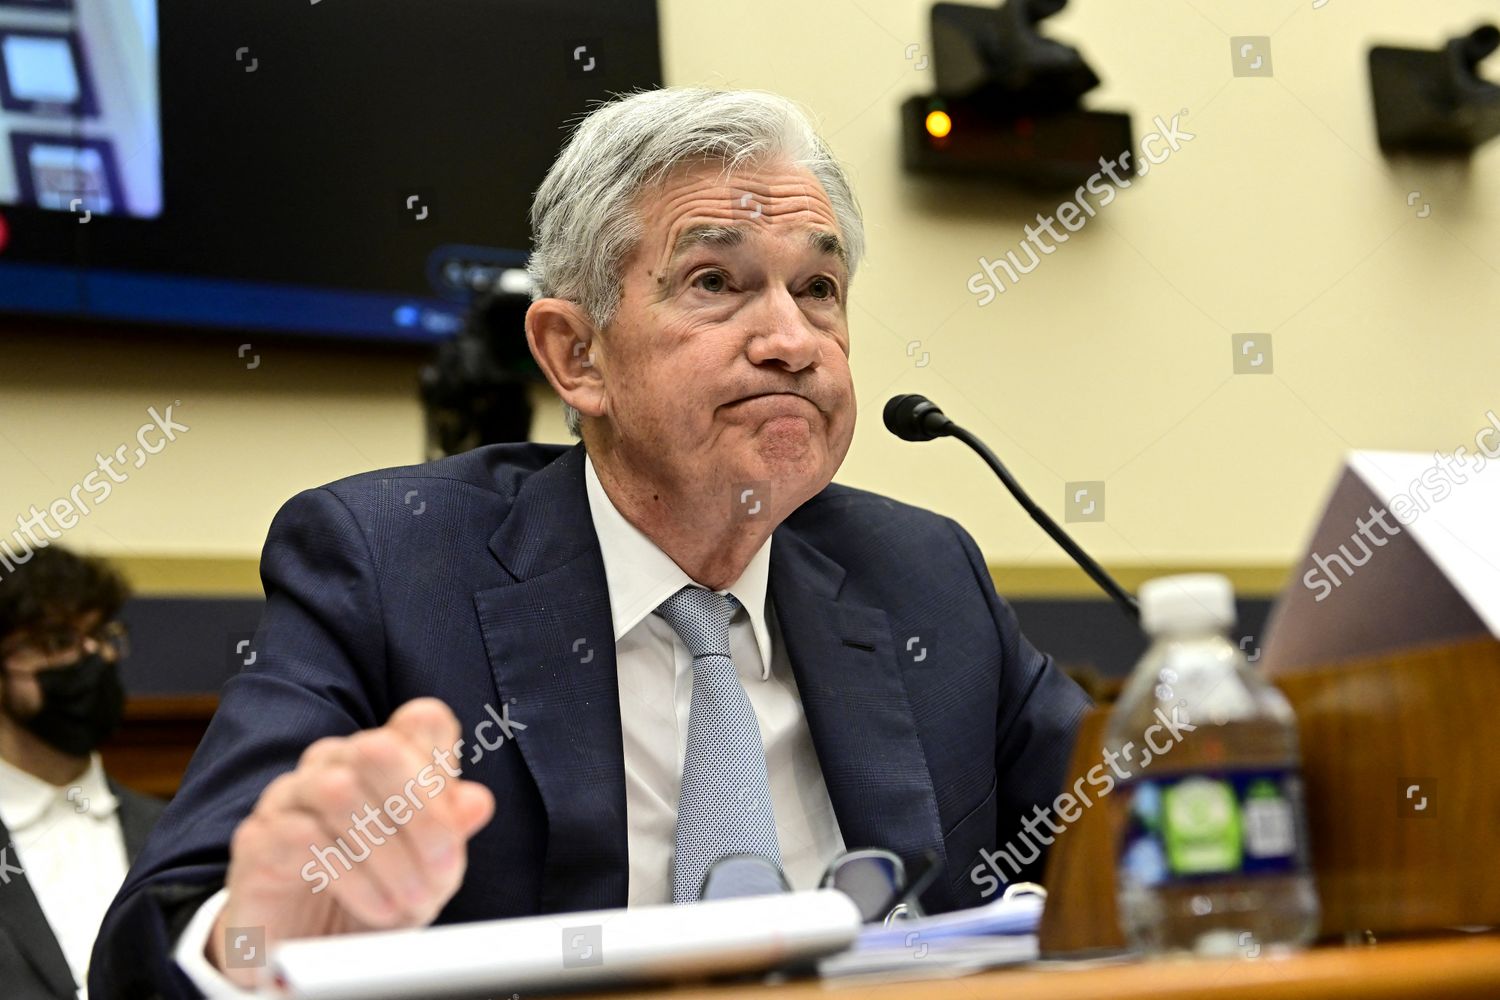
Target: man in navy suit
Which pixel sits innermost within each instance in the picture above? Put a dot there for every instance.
(482, 684)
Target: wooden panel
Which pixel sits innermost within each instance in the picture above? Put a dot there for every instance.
(156, 740)
(1370, 729)
(1080, 915)
(1377, 727)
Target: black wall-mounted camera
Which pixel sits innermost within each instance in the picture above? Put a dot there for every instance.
(1007, 101)
(1436, 102)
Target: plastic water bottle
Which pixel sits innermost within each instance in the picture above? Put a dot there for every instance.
(1213, 852)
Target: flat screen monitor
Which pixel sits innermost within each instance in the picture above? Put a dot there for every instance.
(354, 168)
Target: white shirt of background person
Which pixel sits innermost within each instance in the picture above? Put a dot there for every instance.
(70, 846)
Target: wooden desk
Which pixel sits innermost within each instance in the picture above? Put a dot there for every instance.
(1449, 968)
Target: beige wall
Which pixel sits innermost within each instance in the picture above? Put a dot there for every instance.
(1111, 361)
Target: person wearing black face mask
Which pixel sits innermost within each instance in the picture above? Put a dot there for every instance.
(67, 832)
(82, 702)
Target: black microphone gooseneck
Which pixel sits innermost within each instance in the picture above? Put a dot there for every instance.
(917, 418)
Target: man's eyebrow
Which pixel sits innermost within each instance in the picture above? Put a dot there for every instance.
(706, 234)
(829, 245)
(726, 237)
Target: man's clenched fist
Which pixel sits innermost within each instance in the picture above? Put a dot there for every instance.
(369, 832)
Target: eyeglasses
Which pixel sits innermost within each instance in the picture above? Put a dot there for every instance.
(876, 879)
(112, 639)
(737, 875)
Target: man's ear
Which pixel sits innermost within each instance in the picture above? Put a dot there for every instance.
(567, 349)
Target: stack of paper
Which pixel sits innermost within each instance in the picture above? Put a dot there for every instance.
(951, 944)
(568, 951)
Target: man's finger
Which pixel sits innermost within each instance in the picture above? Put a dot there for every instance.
(428, 722)
(474, 805)
(326, 798)
(394, 804)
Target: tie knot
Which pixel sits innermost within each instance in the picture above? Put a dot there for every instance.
(701, 617)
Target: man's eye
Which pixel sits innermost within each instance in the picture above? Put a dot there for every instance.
(829, 289)
(720, 282)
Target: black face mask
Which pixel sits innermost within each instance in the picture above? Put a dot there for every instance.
(81, 705)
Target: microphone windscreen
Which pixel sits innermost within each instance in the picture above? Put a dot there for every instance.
(898, 417)
(905, 417)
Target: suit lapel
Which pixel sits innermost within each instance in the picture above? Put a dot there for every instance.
(21, 915)
(856, 705)
(550, 641)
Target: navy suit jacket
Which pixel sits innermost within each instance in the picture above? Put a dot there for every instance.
(472, 579)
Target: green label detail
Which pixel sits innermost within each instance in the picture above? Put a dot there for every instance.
(1201, 827)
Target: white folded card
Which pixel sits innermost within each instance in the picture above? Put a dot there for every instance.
(567, 951)
(1406, 554)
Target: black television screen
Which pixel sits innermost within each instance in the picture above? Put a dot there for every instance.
(335, 167)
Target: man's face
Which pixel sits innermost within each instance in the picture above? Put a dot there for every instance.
(727, 363)
(24, 655)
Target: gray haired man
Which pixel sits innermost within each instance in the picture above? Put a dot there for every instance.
(701, 645)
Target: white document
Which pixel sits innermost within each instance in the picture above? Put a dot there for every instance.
(1407, 554)
(567, 951)
(1002, 932)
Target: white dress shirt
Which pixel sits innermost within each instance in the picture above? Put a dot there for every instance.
(655, 677)
(72, 851)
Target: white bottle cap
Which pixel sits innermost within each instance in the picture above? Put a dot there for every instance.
(1192, 602)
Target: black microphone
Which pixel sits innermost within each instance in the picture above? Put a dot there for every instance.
(916, 418)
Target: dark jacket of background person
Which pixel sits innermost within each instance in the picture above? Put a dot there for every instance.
(32, 966)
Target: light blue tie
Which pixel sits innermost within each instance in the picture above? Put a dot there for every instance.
(725, 805)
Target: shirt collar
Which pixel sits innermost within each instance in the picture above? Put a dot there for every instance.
(25, 798)
(640, 575)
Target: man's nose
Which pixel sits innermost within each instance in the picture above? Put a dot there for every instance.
(781, 334)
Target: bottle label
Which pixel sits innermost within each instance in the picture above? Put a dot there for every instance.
(1185, 827)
